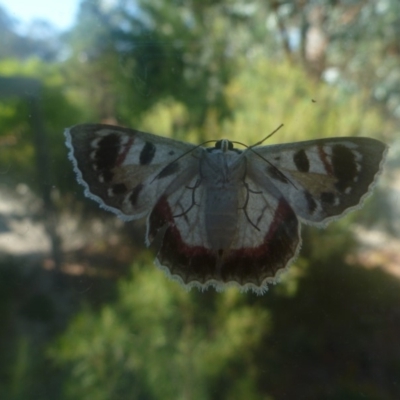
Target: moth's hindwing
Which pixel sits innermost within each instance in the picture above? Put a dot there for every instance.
(321, 179)
(254, 258)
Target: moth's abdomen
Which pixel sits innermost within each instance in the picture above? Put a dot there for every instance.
(221, 216)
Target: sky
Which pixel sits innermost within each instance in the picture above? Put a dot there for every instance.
(61, 13)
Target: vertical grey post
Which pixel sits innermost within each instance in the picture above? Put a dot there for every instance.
(30, 90)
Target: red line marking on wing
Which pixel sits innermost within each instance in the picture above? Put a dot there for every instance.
(164, 211)
(322, 156)
(243, 265)
(282, 214)
(122, 156)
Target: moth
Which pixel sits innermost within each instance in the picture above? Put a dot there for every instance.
(228, 216)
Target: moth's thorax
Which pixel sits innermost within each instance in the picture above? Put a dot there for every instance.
(222, 169)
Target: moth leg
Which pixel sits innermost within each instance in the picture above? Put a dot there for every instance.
(196, 185)
(244, 208)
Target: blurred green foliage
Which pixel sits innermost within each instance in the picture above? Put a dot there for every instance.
(197, 71)
(157, 341)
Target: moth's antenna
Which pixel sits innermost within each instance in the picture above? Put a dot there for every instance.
(250, 148)
(211, 141)
(268, 136)
(181, 156)
(260, 142)
(269, 162)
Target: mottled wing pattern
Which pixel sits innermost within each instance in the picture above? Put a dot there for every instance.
(321, 179)
(126, 170)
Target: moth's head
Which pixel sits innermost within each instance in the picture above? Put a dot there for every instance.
(224, 145)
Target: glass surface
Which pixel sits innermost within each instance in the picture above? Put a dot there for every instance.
(85, 313)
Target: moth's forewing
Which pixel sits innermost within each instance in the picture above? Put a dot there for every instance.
(124, 170)
(322, 179)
